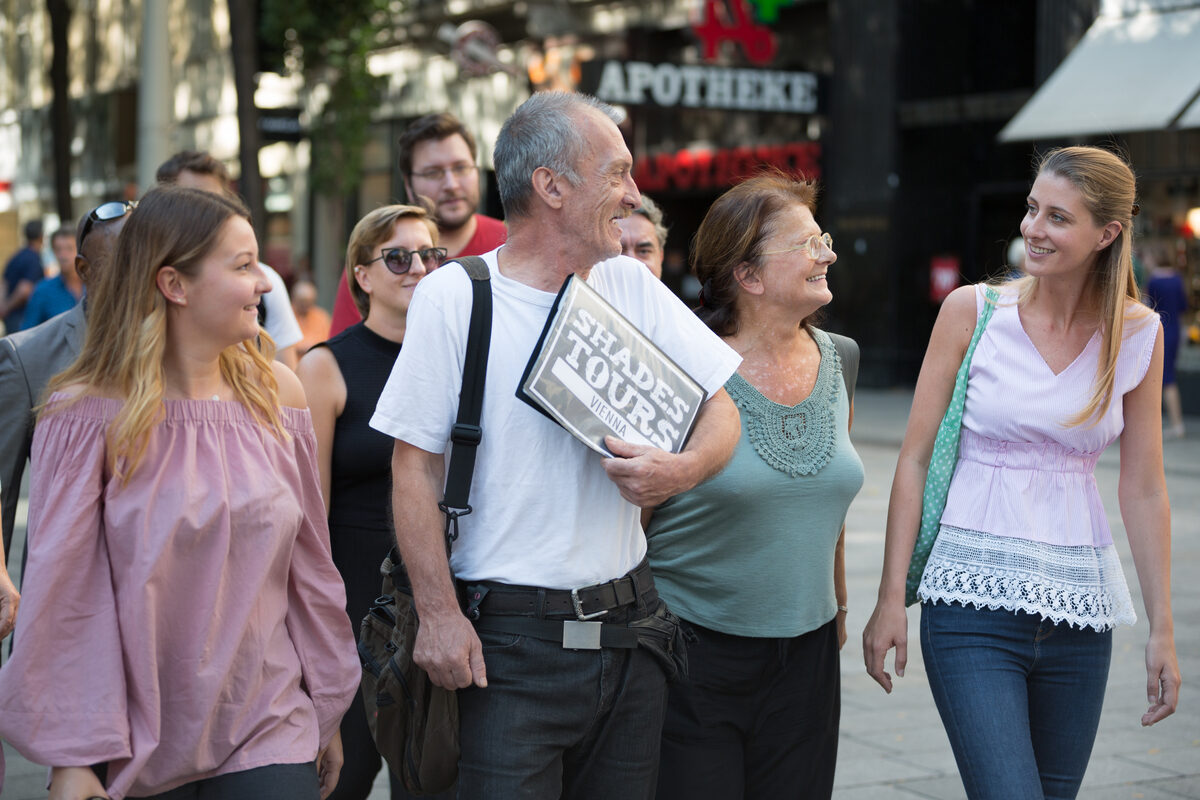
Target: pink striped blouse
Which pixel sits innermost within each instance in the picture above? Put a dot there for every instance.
(1021, 472)
(188, 624)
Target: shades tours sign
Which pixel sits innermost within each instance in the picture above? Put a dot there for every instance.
(596, 374)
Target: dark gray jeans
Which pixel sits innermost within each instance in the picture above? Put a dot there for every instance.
(272, 782)
(576, 724)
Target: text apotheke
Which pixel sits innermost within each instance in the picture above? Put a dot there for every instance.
(669, 85)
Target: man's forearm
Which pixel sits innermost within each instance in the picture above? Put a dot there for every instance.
(20, 296)
(717, 430)
(647, 476)
(416, 485)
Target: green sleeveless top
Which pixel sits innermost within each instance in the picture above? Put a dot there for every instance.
(750, 551)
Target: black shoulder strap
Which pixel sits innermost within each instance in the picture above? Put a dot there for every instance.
(847, 350)
(466, 434)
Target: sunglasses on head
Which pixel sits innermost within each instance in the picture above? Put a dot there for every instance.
(399, 261)
(105, 212)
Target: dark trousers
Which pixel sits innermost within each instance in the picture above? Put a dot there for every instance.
(755, 718)
(357, 554)
(272, 782)
(552, 722)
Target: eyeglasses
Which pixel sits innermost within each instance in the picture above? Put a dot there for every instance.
(811, 248)
(105, 212)
(399, 261)
(432, 174)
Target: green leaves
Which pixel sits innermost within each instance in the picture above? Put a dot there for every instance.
(329, 41)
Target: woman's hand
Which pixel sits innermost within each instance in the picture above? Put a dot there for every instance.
(841, 628)
(10, 598)
(1162, 679)
(887, 628)
(329, 764)
(75, 783)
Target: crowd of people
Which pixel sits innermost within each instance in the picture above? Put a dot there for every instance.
(217, 473)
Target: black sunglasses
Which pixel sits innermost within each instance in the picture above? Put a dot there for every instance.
(105, 212)
(399, 261)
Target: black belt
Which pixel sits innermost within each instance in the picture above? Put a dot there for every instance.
(573, 634)
(489, 598)
(569, 616)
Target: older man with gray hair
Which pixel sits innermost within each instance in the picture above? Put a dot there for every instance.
(644, 236)
(554, 549)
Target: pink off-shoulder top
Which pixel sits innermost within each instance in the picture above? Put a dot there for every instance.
(189, 623)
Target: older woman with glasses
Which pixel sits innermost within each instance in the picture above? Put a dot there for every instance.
(390, 250)
(751, 560)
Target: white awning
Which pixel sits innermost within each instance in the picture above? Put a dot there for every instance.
(1191, 117)
(1129, 73)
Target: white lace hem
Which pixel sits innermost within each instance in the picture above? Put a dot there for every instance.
(1080, 585)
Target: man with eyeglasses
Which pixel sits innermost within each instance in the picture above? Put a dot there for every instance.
(30, 358)
(437, 161)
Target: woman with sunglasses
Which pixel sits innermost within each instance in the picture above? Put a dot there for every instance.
(182, 633)
(390, 250)
(751, 560)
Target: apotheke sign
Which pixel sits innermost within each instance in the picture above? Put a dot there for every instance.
(693, 86)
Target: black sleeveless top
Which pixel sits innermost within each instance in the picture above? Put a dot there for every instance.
(360, 493)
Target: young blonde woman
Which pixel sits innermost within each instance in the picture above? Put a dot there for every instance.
(390, 250)
(1023, 587)
(182, 632)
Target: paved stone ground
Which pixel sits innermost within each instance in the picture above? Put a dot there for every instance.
(893, 747)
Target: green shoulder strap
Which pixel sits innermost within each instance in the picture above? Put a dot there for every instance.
(944, 458)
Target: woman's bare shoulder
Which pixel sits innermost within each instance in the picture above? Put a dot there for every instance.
(291, 391)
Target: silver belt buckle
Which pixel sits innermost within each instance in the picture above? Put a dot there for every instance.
(581, 635)
(577, 604)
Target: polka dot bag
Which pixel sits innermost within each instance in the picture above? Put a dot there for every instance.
(943, 459)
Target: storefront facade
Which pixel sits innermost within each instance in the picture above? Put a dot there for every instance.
(920, 120)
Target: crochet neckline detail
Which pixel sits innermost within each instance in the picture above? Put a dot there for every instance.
(796, 440)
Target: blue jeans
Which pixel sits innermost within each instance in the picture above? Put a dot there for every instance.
(561, 723)
(1019, 696)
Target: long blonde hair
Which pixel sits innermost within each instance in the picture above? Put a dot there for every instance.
(1108, 188)
(126, 336)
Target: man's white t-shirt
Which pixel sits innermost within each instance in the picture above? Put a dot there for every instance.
(281, 322)
(545, 512)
